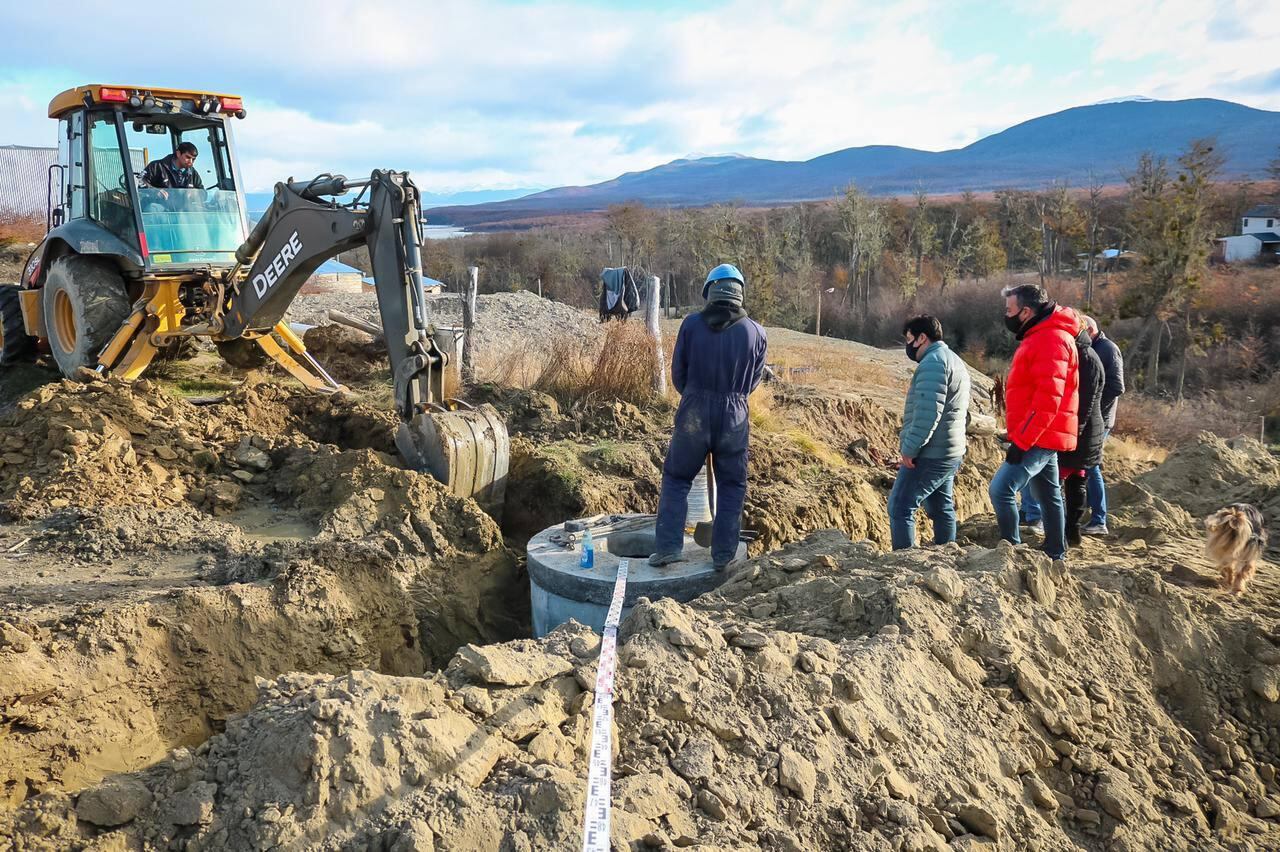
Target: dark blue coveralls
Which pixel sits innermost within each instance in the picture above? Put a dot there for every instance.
(718, 360)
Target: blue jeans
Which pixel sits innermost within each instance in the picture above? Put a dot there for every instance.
(1097, 491)
(931, 482)
(1039, 469)
(1030, 507)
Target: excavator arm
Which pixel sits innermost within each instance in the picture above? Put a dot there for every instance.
(465, 448)
(303, 228)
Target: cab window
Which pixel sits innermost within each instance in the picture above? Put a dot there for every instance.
(108, 186)
(187, 225)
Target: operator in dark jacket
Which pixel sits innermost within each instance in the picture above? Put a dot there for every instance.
(1073, 465)
(175, 171)
(1112, 390)
(717, 362)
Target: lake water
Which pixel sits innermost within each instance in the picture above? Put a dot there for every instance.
(444, 232)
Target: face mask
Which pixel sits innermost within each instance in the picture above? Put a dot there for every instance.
(1014, 323)
(913, 350)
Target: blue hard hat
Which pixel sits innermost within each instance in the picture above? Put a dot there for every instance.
(724, 270)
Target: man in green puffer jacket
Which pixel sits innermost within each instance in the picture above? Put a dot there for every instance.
(933, 436)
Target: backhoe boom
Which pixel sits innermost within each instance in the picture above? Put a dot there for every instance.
(302, 229)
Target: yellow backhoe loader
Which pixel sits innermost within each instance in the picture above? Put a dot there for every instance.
(128, 271)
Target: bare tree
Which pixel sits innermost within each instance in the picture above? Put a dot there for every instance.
(1093, 226)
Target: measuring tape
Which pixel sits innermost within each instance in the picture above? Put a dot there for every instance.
(595, 823)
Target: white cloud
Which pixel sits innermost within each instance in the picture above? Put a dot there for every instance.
(1201, 48)
(497, 94)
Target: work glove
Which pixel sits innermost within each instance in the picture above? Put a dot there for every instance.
(1014, 454)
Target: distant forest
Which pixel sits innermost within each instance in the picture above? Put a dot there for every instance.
(1137, 255)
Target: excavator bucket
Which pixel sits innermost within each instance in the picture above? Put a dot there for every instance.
(466, 449)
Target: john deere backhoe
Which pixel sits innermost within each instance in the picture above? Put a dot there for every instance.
(128, 272)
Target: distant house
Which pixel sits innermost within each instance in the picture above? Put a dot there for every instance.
(1259, 237)
(334, 277)
(1107, 260)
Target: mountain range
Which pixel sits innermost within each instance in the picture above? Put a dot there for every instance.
(1103, 140)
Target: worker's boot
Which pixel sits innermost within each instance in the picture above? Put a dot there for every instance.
(658, 560)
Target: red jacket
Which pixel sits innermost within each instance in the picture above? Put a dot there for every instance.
(1042, 396)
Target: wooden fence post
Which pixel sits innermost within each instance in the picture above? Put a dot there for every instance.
(652, 299)
(468, 324)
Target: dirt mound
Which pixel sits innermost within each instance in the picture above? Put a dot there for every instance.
(1212, 472)
(818, 460)
(540, 417)
(324, 556)
(111, 443)
(829, 696)
(848, 422)
(399, 575)
(350, 356)
(506, 323)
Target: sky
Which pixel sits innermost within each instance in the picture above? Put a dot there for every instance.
(503, 94)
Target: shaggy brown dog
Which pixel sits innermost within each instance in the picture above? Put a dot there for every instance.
(1237, 537)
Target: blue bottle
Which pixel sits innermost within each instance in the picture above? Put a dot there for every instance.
(588, 558)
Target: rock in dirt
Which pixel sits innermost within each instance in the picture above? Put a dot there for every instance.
(521, 665)
(979, 820)
(13, 639)
(192, 806)
(113, 802)
(945, 583)
(1265, 682)
(1116, 795)
(796, 773)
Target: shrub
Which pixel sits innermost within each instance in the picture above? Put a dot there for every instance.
(621, 369)
(18, 230)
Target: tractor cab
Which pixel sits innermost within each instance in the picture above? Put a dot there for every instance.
(107, 136)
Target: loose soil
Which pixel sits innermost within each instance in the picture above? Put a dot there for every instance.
(242, 625)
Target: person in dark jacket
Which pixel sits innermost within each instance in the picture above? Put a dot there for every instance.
(1041, 408)
(717, 362)
(1112, 390)
(174, 171)
(1074, 464)
(932, 442)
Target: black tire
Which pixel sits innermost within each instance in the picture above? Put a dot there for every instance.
(241, 353)
(15, 344)
(85, 303)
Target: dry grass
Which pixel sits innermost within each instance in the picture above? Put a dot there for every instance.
(523, 367)
(828, 365)
(1133, 450)
(624, 369)
(1168, 424)
(19, 230)
(764, 414)
(571, 369)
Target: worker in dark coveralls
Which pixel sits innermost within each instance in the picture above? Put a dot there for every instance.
(717, 362)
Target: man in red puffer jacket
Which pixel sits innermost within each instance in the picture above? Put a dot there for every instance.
(1041, 403)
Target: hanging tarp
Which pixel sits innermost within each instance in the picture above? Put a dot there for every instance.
(619, 295)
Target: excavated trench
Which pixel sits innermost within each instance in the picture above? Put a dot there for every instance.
(163, 557)
(180, 583)
(177, 554)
